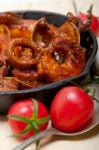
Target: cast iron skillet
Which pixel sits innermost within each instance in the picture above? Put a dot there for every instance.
(46, 93)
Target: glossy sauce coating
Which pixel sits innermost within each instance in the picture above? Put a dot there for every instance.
(34, 53)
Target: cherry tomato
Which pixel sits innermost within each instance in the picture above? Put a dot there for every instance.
(27, 118)
(71, 109)
(94, 25)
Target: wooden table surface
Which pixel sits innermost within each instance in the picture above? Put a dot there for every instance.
(88, 141)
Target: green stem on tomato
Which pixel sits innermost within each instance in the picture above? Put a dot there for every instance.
(90, 9)
(35, 109)
(89, 16)
(31, 123)
(96, 99)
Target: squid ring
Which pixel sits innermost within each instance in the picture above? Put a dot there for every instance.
(23, 53)
(70, 56)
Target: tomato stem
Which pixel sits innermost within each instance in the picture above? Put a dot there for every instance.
(35, 126)
(19, 118)
(23, 132)
(96, 99)
(89, 16)
(90, 9)
(35, 108)
(42, 120)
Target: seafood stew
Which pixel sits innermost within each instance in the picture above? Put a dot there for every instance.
(34, 53)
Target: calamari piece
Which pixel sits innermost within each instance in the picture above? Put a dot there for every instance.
(43, 33)
(8, 84)
(69, 32)
(49, 69)
(29, 75)
(9, 18)
(70, 56)
(23, 53)
(67, 60)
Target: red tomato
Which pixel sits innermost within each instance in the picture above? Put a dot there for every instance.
(94, 25)
(28, 116)
(71, 109)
